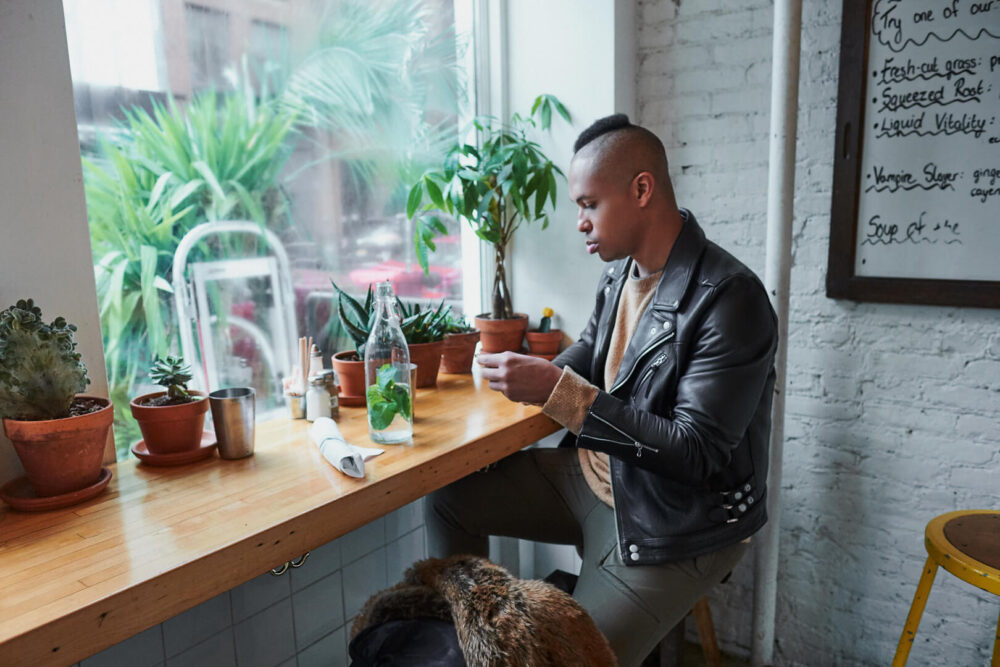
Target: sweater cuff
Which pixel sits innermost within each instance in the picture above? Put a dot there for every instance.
(570, 399)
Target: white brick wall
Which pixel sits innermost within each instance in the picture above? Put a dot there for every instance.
(893, 412)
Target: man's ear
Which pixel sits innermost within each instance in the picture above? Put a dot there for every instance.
(642, 188)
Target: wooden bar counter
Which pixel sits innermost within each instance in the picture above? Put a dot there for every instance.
(161, 540)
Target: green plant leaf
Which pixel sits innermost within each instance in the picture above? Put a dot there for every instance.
(386, 376)
(402, 401)
(434, 192)
(414, 199)
(151, 301)
(380, 414)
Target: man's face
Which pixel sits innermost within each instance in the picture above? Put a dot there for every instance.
(607, 211)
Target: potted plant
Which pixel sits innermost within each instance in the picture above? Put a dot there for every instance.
(424, 331)
(544, 341)
(357, 320)
(496, 186)
(58, 433)
(460, 342)
(173, 420)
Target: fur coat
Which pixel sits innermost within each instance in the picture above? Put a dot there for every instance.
(501, 621)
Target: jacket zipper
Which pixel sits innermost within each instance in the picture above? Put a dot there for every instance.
(645, 351)
(632, 441)
(652, 369)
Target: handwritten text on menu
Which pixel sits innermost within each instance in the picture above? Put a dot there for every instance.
(930, 182)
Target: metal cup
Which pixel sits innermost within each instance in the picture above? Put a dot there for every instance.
(233, 415)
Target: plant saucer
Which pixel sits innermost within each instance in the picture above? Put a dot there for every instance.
(203, 451)
(20, 495)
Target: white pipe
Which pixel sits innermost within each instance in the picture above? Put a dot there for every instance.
(780, 197)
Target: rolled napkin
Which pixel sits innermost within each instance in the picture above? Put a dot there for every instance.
(342, 455)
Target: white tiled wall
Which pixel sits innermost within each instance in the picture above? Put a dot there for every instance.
(300, 619)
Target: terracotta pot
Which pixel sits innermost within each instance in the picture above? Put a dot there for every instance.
(62, 455)
(427, 357)
(167, 429)
(351, 376)
(544, 342)
(501, 335)
(459, 350)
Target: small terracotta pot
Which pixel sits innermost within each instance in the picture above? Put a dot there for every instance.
(167, 429)
(544, 342)
(62, 455)
(351, 376)
(459, 350)
(501, 335)
(427, 357)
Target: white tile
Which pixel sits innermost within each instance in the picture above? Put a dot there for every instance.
(318, 609)
(258, 594)
(142, 650)
(322, 562)
(219, 650)
(405, 519)
(362, 579)
(266, 639)
(330, 651)
(362, 541)
(403, 553)
(194, 625)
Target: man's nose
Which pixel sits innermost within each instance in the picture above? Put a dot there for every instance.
(583, 223)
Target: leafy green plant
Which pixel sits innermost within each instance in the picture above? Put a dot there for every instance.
(385, 81)
(457, 324)
(356, 318)
(386, 399)
(427, 326)
(495, 186)
(173, 374)
(156, 177)
(418, 325)
(40, 371)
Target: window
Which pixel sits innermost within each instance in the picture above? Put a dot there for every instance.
(308, 118)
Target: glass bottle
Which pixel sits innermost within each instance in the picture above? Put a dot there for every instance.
(387, 373)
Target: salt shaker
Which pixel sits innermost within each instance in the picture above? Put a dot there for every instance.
(317, 399)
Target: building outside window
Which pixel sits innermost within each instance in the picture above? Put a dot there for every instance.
(308, 118)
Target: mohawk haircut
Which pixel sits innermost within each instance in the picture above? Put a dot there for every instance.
(600, 127)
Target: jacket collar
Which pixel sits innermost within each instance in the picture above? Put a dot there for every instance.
(681, 263)
(673, 285)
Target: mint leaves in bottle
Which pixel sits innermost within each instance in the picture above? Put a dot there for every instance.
(387, 373)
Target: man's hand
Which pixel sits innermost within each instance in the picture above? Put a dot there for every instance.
(521, 378)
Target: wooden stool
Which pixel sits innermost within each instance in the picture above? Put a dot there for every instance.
(967, 544)
(671, 647)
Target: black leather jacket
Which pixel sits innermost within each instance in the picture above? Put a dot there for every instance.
(687, 421)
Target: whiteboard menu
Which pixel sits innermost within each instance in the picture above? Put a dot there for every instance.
(927, 165)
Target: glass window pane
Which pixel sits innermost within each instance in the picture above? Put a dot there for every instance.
(306, 118)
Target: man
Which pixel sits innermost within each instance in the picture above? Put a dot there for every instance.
(666, 395)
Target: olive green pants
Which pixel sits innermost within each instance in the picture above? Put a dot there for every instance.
(541, 495)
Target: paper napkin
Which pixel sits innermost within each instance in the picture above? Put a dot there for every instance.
(342, 455)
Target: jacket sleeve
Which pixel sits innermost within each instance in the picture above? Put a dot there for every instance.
(719, 388)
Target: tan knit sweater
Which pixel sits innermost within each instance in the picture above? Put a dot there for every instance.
(572, 395)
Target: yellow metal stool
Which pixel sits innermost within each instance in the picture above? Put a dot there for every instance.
(967, 544)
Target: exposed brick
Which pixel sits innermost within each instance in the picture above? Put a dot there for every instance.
(892, 411)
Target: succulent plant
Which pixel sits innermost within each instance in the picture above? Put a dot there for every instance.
(173, 374)
(425, 326)
(40, 371)
(457, 324)
(546, 322)
(418, 326)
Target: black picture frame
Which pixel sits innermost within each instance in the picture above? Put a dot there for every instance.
(841, 280)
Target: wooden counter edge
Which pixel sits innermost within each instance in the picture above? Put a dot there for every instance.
(96, 626)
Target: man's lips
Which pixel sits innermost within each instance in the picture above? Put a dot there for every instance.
(592, 247)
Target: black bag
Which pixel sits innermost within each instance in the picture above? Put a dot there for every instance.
(411, 642)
